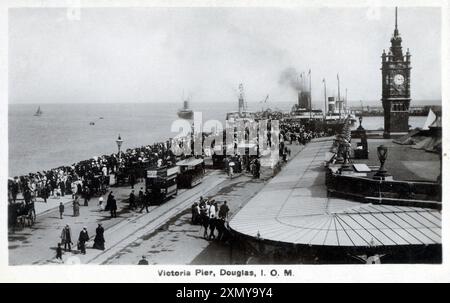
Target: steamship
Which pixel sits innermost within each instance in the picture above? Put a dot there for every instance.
(186, 112)
(337, 111)
(302, 111)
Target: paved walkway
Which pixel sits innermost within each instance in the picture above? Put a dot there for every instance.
(294, 208)
(177, 241)
(132, 235)
(37, 245)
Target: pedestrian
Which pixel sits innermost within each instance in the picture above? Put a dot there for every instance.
(204, 219)
(61, 210)
(99, 240)
(66, 237)
(212, 220)
(132, 200)
(223, 212)
(132, 180)
(113, 208)
(27, 196)
(76, 207)
(143, 261)
(109, 201)
(100, 204)
(146, 201)
(195, 210)
(45, 193)
(87, 196)
(141, 196)
(15, 189)
(79, 188)
(59, 252)
(220, 226)
(82, 239)
(74, 189)
(62, 187)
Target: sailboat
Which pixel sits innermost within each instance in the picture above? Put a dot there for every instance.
(38, 112)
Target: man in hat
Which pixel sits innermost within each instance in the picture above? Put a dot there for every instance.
(143, 261)
(66, 237)
(82, 239)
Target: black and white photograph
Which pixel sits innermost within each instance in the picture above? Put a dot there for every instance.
(225, 136)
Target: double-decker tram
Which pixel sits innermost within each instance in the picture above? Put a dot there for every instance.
(191, 172)
(162, 183)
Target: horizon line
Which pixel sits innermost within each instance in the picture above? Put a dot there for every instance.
(173, 102)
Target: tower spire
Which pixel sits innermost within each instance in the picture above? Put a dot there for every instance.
(396, 18)
(396, 33)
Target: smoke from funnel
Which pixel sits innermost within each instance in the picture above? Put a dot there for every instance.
(290, 77)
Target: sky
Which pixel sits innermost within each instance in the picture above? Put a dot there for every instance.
(115, 55)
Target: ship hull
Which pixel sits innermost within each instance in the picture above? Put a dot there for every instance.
(185, 114)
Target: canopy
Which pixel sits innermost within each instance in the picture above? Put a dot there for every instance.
(190, 162)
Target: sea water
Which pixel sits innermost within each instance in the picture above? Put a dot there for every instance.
(63, 134)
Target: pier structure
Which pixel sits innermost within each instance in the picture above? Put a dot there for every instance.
(295, 213)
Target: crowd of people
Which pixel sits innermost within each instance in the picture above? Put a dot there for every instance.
(296, 132)
(85, 179)
(90, 178)
(67, 240)
(211, 217)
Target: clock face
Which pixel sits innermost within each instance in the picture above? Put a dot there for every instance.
(399, 79)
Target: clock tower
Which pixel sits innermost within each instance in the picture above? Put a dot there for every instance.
(396, 72)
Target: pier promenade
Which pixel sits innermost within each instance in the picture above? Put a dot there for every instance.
(293, 210)
(37, 245)
(164, 235)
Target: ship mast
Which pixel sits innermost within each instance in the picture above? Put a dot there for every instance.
(339, 96)
(325, 95)
(310, 96)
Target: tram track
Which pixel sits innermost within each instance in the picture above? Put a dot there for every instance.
(179, 204)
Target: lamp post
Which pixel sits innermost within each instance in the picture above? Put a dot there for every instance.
(360, 127)
(119, 142)
(382, 156)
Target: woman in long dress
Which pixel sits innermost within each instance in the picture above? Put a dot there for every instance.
(99, 241)
(76, 207)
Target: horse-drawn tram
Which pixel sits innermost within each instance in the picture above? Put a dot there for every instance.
(162, 183)
(191, 172)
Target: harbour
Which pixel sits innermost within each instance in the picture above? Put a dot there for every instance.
(302, 177)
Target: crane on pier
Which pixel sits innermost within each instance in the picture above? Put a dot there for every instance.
(263, 102)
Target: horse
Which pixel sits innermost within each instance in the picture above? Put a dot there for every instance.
(21, 214)
(204, 222)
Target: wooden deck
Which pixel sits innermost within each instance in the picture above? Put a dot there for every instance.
(293, 208)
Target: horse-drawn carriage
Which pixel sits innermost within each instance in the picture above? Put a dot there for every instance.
(21, 214)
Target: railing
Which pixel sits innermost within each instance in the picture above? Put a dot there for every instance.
(407, 193)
